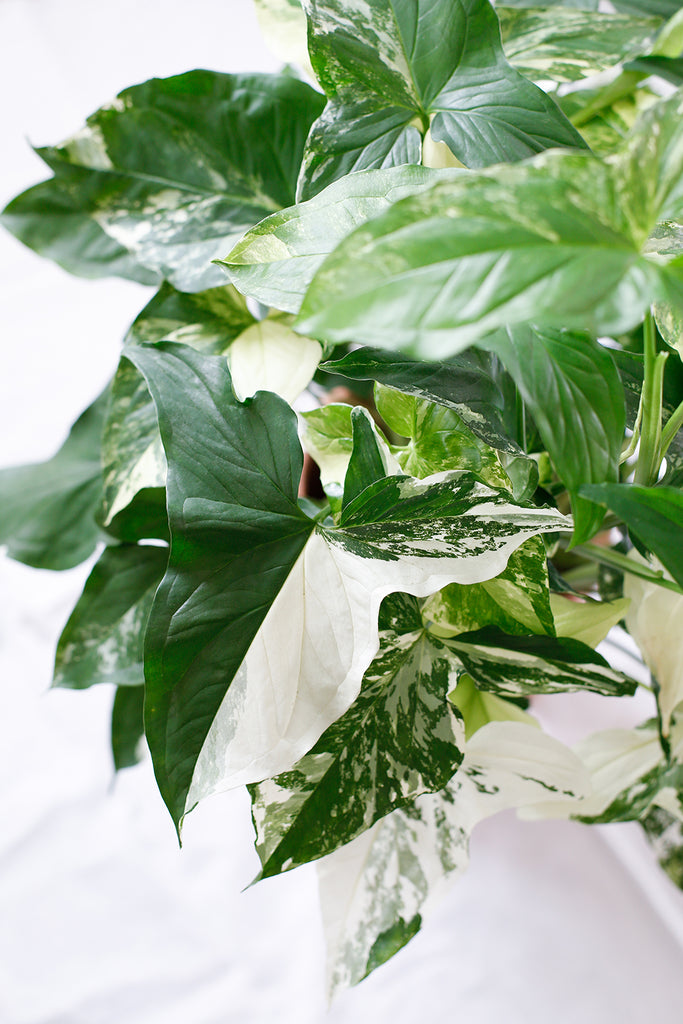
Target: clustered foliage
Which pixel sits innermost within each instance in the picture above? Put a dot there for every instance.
(470, 253)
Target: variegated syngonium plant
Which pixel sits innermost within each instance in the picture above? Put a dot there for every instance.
(432, 238)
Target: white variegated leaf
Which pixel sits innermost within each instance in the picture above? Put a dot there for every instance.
(653, 621)
(323, 622)
(375, 890)
(269, 356)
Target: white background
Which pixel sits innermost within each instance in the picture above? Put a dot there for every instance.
(102, 919)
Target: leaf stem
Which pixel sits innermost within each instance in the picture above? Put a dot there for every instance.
(649, 453)
(617, 560)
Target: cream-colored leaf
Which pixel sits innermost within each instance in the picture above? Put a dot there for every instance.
(269, 356)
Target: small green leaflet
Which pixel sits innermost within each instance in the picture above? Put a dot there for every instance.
(561, 44)
(460, 384)
(516, 666)
(156, 182)
(103, 640)
(132, 453)
(437, 439)
(572, 389)
(653, 514)
(249, 573)
(127, 726)
(48, 509)
(393, 70)
(560, 240)
(399, 739)
(375, 890)
(478, 708)
(276, 260)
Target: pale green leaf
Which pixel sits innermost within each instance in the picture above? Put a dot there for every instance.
(478, 707)
(550, 241)
(653, 620)
(588, 621)
(562, 44)
(276, 260)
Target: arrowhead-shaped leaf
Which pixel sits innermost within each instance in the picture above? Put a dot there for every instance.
(103, 640)
(400, 738)
(157, 182)
(48, 509)
(250, 575)
(392, 70)
(375, 890)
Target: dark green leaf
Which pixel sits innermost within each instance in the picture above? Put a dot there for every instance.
(572, 388)
(514, 666)
(236, 530)
(653, 514)
(669, 68)
(103, 640)
(392, 70)
(132, 452)
(127, 726)
(48, 509)
(169, 172)
(399, 739)
(458, 384)
(366, 465)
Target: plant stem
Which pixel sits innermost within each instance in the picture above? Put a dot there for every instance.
(673, 425)
(649, 453)
(616, 560)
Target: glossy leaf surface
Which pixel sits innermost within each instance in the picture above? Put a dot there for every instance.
(400, 738)
(127, 726)
(156, 183)
(390, 71)
(572, 389)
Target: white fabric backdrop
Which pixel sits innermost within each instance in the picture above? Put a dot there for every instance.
(102, 919)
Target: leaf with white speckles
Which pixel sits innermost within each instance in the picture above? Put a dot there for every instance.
(221, 711)
(393, 70)
(159, 182)
(516, 666)
(375, 890)
(400, 738)
(103, 640)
